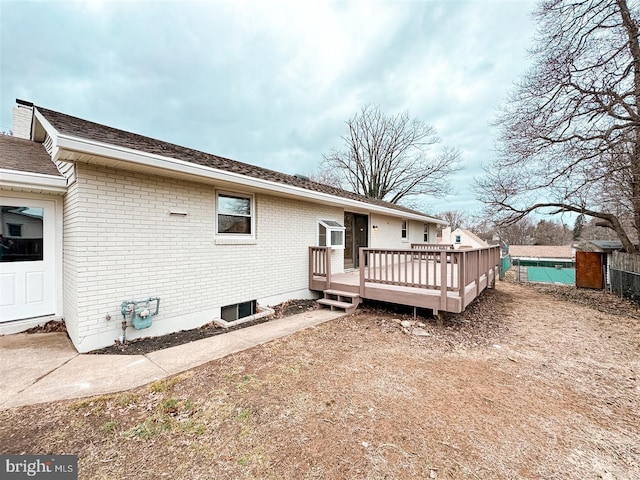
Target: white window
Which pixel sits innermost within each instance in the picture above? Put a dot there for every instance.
(234, 215)
(458, 239)
(404, 230)
(425, 237)
(330, 234)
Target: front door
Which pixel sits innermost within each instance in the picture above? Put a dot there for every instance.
(27, 258)
(356, 236)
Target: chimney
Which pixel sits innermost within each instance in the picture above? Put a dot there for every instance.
(22, 118)
(446, 235)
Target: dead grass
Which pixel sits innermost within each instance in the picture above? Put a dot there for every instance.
(523, 385)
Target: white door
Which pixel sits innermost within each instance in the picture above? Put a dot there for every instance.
(27, 258)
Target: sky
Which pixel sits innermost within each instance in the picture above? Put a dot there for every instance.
(271, 83)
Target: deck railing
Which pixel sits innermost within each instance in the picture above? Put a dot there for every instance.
(410, 268)
(463, 272)
(320, 264)
(431, 246)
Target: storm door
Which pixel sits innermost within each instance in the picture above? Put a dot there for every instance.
(356, 236)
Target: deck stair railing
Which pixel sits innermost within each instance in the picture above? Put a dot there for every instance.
(320, 264)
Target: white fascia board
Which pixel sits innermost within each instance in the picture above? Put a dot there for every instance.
(52, 132)
(48, 183)
(77, 144)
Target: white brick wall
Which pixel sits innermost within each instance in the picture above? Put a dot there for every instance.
(22, 121)
(72, 221)
(121, 243)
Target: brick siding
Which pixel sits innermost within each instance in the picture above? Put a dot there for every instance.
(120, 243)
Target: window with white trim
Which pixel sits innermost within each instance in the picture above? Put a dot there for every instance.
(234, 214)
(330, 234)
(425, 237)
(458, 239)
(404, 230)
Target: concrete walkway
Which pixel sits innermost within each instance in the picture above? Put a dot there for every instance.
(45, 367)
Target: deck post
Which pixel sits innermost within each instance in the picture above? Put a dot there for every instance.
(462, 277)
(327, 256)
(361, 261)
(496, 261)
(479, 254)
(439, 318)
(310, 266)
(443, 279)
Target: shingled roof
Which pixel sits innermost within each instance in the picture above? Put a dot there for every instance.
(25, 156)
(541, 251)
(78, 127)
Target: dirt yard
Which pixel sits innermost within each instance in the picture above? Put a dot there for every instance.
(528, 383)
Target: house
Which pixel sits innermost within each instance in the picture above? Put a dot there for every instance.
(542, 255)
(461, 238)
(112, 225)
(544, 263)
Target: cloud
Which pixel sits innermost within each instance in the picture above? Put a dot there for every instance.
(269, 83)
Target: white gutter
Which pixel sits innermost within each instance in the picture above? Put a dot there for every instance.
(92, 147)
(47, 183)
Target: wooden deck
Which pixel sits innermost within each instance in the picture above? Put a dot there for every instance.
(423, 276)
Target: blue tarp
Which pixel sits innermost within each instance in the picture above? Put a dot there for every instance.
(551, 275)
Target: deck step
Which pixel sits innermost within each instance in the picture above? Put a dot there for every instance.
(341, 293)
(348, 301)
(332, 304)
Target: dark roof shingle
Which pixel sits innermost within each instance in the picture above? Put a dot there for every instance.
(78, 127)
(25, 156)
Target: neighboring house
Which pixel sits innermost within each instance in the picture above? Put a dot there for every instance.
(544, 263)
(461, 238)
(108, 216)
(542, 255)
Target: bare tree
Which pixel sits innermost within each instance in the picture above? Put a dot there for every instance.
(326, 177)
(569, 136)
(483, 227)
(591, 231)
(552, 233)
(455, 218)
(521, 232)
(578, 227)
(389, 157)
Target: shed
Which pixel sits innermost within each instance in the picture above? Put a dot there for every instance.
(592, 263)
